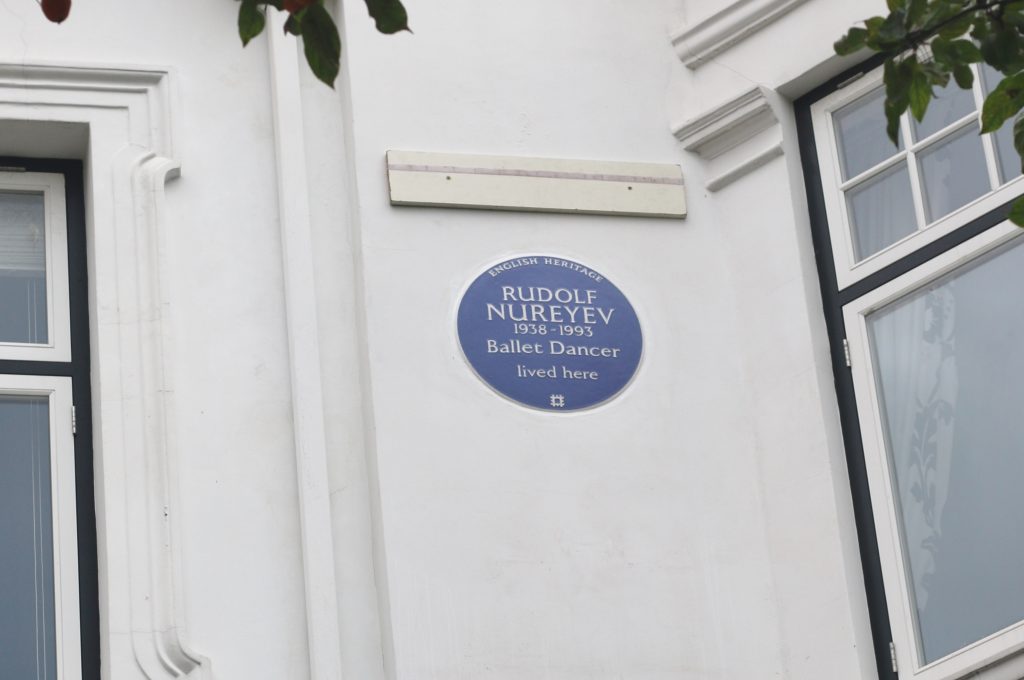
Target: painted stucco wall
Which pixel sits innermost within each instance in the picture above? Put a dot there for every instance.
(698, 526)
(240, 564)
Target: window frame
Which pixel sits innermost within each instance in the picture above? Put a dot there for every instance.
(885, 506)
(57, 390)
(63, 373)
(58, 305)
(848, 295)
(848, 269)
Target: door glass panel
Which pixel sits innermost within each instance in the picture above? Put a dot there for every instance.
(860, 127)
(22, 268)
(953, 172)
(949, 368)
(27, 629)
(949, 105)
(881, 211)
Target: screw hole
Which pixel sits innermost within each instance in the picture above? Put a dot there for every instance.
(630, 188)
(448, 176)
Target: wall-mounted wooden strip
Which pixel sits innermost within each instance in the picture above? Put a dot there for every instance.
(535, 184)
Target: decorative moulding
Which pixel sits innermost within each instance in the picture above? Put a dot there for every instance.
(130, 157)
(731, 127)
(727, 125)
(304, 357)
(698, 44)
(744, 168)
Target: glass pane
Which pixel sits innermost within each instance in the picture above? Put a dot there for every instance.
(860, 127)
(27, 628)
(881, 211)
(22, 268)
(1009, 161)
(949, 105)
(953, 172)
(950, 373)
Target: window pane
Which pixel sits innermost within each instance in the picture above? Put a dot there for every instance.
(954, 173)
(860, 127)
(949, 105)
(22, 268)
(1009, 161)
(881, 211)
(950, 370)
(27, 628)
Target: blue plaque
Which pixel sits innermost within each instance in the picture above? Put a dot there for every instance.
(549, 333)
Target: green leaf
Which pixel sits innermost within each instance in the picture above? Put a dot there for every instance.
(953, 29)
(1014, 15)
(1002, 103)
(389, 15)
(1002, 48)
(895, 5)
(980, 27)
(915, 10)
(936, 74)
(251, 21)
(892, 31)
(293, 24)
(997, 109)
(942, 52)
(851, 42)
(897, 77)
(965, 51)
(321, 43)
(920, 94)
(892, 120)
(1017, 212)
(1018, 135)
(964, 76)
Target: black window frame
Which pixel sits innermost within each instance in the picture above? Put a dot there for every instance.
(834, 299)
(78, 369)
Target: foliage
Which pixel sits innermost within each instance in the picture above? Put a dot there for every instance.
(927, 43)
(308, 19)
(311, 21)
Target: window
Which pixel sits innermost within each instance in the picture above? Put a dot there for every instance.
(48, 606)
(919, 275)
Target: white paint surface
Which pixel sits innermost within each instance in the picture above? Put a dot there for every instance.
(697, 527)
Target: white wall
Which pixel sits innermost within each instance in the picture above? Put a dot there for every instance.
(697, 526)
(242, 585)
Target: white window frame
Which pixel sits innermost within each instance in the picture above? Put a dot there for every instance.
(58, 309)
(884, 501)
(999, 656)
(848, 269)
(57, 390)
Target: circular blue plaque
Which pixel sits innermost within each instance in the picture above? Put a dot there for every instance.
(549, 333)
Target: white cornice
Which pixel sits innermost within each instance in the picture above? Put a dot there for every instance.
(727, 125)
(727, 27)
